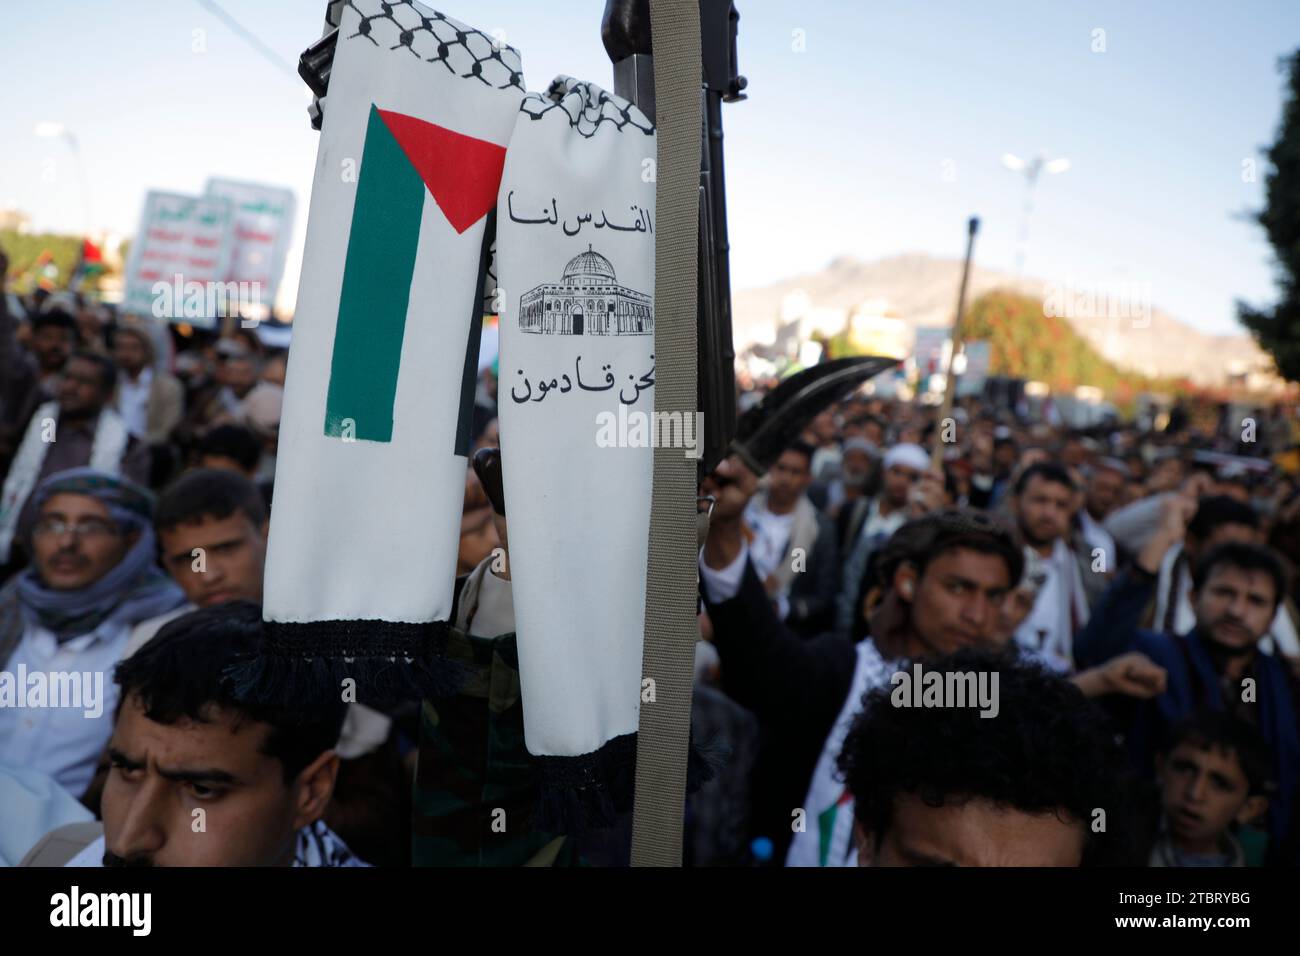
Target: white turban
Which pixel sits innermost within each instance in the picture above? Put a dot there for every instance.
(909, 456)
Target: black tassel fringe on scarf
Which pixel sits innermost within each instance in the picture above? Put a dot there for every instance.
(590, 791)
(306, 664)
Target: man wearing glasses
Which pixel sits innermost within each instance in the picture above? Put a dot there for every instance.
(65, 621)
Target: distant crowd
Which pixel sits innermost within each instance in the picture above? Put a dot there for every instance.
(1132, 589)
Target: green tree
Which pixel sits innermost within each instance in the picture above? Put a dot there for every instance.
(25, 250)
(1277, 330)
(1026, 343)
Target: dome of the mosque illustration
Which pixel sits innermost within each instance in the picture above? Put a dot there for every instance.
(589, 265)
(586, 301)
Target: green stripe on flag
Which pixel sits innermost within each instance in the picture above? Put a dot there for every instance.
(376, 289)
(826, 830)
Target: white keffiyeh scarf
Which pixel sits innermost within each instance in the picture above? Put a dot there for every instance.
(430, 148)
(575, 252)
(111, 438)
(375, 429)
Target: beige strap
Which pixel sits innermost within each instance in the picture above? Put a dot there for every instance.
(663, 736)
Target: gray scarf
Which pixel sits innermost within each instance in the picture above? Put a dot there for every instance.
(133, 590)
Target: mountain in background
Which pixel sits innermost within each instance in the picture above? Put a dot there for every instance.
(921, 290)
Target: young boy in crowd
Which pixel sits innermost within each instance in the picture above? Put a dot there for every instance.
(1213, 779)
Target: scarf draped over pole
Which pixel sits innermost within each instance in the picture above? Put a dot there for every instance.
(379, 393)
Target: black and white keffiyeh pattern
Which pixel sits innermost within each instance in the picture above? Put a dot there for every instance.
(314, 845)
(318, 845)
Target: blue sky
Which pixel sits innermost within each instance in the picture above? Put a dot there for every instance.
(841, 149)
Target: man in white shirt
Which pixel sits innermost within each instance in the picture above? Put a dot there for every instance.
(1104, 491)
(65, 621)
(1043, 502)
(133, 401)
(786, 528)
(150, 401)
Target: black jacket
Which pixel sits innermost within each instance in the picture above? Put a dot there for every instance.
(795, 687)
(816, 588)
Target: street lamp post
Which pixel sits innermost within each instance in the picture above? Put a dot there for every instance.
(1031, 169)
(48, 129)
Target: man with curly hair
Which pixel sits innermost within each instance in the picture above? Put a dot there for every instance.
(1040, 784)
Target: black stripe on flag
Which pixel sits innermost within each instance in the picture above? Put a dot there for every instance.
(469, 376)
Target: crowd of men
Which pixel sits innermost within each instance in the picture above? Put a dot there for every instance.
(1127, 596)
(1153, 571)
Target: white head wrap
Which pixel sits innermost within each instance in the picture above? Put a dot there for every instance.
(909, 456)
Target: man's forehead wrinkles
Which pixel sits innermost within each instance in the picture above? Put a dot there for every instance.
(183, 752)
(198, 772)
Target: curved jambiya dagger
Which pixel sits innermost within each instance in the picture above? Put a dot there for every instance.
(769, 428)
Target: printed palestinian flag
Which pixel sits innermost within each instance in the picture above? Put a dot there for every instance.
(403, 157)
(361, 560)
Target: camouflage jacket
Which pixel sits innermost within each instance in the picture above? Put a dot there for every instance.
(475, 783)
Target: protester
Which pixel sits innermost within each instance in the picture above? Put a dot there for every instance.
(79, 430)
(54, 339)
(1043, 503)
(478, 532)
(820, 436)
(942, 786)
(1218, 520)
(67, 619)
(1214, 778)
(872, 520)
(274, 368)
(857, 465)
(234, 447)
(30, 377)
(792, 546)
(237, 370)
(260, 413)
(182, 742)
(150, 401)
(92, 322)
(455, 772)
(19, 382)
(1236, 589)
(805, 693)
(212, 527)
(1105, 488)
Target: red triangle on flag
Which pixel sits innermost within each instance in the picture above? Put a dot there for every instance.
(462, 173)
